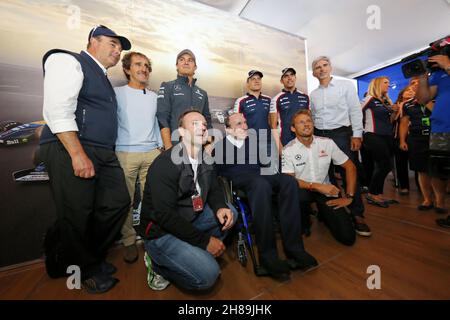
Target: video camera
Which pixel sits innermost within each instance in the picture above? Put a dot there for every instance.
(418, 66)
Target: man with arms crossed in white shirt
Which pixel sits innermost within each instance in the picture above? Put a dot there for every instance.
(337, 115)
(138, 138)
(77, 146)
(308, 158)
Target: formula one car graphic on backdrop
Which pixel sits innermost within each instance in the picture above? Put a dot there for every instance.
(37, 174)
(219, 115)
(13, 132)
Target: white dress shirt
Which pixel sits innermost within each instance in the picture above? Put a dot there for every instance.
(194, 163)
(311, 164)
(235, 142)
(335, 106)
(62, 84)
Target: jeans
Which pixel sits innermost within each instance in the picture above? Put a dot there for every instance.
(185, 265)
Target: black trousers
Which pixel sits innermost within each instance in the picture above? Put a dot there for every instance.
(259, 190)
(367, 165)
(90, 212)
(342, 138)
(381, 148)
(339, 222)
(401, 166)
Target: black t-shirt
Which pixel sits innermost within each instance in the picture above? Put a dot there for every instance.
(418, 115)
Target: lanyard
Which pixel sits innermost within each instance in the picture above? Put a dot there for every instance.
(423, 108)
(195, 178)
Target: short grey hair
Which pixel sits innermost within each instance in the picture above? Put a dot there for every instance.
(228, 114)
(316, 60)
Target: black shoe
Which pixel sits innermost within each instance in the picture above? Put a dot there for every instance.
(391, 201)
(99, 283)
(302, 260)
(423, 207)
(276, 268)
(362, 229)
(445, 223)
(107, 268)
(382, 204)
(440, 210)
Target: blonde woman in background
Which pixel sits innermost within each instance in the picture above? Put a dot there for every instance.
(379, 115)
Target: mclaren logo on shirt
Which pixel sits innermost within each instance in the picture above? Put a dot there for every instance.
(322, 153)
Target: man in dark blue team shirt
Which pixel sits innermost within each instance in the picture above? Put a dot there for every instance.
(255, 106)
(287, 103)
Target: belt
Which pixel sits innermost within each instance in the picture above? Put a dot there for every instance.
(337, 130)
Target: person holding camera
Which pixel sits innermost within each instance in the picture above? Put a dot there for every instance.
(437, 87)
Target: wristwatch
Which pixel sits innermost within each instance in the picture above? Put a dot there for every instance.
(349, 196)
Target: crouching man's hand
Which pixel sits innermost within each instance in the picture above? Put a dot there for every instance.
(339, 203)
(215, 247)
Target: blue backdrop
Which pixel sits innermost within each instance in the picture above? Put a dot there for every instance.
(394, 72)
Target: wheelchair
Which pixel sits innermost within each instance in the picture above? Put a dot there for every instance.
(244, 243)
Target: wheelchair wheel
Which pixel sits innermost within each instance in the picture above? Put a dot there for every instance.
(241, 250)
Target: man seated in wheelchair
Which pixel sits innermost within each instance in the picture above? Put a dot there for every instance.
(241, 159)
(308, 159)
(184, 217)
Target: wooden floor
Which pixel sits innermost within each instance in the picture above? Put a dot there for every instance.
(413, 254)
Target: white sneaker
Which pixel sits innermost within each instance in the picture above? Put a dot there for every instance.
(155, 281)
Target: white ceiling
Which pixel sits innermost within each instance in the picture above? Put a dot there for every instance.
(338, 28)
